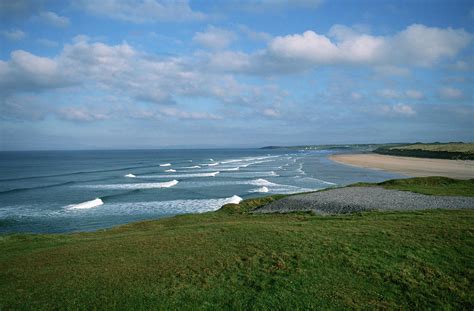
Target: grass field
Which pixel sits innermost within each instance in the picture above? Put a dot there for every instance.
(232, 259)
(450, 147)
(453, 151)
(428, 185)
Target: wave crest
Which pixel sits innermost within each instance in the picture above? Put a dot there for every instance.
(155, 185)
(86, 205)
(260, 190)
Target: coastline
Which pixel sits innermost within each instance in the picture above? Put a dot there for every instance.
(414, 167)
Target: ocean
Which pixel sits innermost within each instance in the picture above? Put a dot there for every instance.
(66, 191)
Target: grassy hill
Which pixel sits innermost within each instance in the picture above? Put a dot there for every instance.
(233, 259)
(434, 185)
(453, 151)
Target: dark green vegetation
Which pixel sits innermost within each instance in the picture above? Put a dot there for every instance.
(233, 259)
(453, 151)
(428, 185)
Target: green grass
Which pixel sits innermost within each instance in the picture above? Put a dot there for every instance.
(428, 185)
(453, 151)
(231, 259)
(250, 204)
(448, 147)
(407, 260)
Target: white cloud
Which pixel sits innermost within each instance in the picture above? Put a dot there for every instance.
(271, 112)
(229, 61)
(28, 72)
(14, 34)
(398, 109)
(416, 45)
(414, 94)
(142, 11)
(134, 77)
(22, 108)
(215, 38)
(450, 93)
(309, 47)
(356, 96)
(393, 94)
(80, 114)
(388, 93)
(424, 46)
(388, 55)
(188, 115)
(54, 19)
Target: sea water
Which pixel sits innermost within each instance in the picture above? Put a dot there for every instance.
(64, 191)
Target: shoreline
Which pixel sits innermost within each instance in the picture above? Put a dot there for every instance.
(409, 166)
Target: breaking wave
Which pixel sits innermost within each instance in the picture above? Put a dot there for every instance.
(260, 190)
(155, 185)
(170, 207)
(212, 174)
(231, 169)
(165, 164)
(86, 205)
(261, 182)
(252, 174)
(130, 175)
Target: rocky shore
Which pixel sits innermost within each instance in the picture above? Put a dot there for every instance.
(357, 199)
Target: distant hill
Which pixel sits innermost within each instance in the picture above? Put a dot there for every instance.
(437, 150)
(365, 147)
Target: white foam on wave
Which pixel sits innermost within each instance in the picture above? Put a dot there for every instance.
(212, 174)
(261, 182)
(172, 207)
(230, 169)
(154, 185)
(235, 199)
(122, 208)
(317, 180)
(130, 176)
(213, 164)
(232, 161)
(170, 170)
(86, 205)
(300, 169)
(260, 190)
(195, 166)
(252, 174)
(279, 188)
(165, 164)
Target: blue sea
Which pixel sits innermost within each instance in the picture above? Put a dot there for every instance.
(65, 191)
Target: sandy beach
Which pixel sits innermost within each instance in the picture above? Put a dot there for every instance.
(416, 167)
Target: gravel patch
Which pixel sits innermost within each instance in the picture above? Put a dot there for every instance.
(357, 199)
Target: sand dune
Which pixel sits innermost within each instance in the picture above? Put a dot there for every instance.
(418, 167)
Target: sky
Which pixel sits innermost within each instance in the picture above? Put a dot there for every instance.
(129, 74)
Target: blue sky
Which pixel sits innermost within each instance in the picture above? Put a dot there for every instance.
(150, 73)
